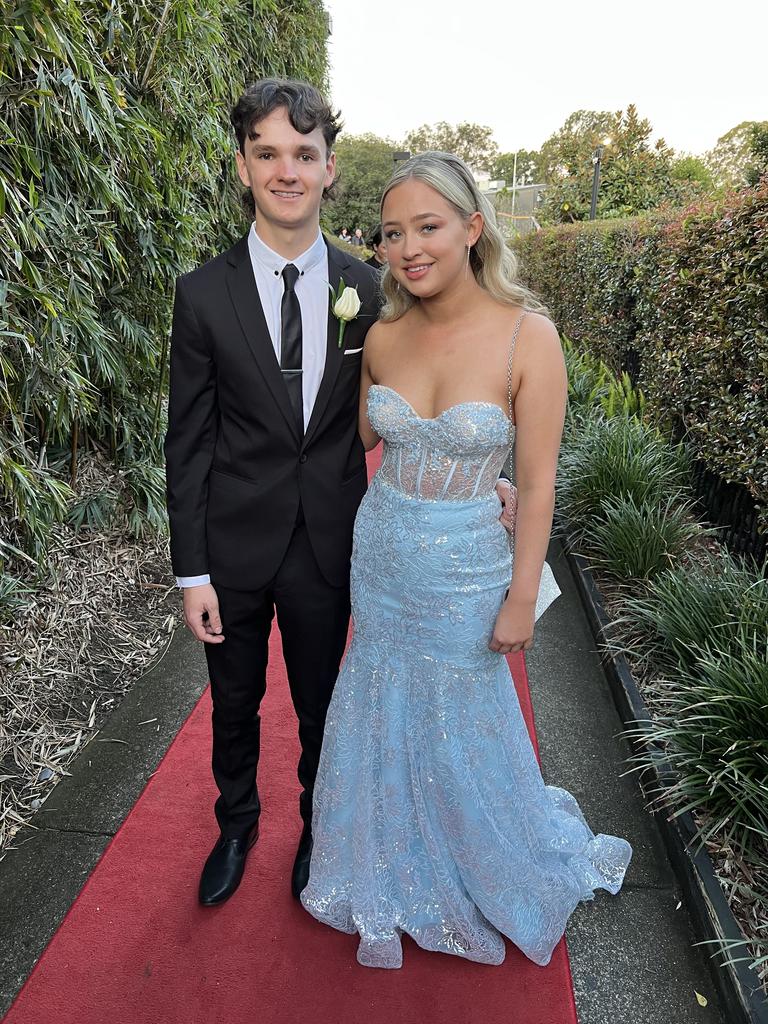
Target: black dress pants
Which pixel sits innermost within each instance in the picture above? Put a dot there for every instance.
(314, 618)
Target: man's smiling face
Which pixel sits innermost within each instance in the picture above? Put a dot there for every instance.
(285, 171)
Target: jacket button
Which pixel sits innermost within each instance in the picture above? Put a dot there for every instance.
(302, 458)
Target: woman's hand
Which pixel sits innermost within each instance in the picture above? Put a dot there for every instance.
(513, 630)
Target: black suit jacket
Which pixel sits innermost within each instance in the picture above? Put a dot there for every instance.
(236, 466)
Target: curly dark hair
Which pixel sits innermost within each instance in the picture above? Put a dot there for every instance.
(307, 109)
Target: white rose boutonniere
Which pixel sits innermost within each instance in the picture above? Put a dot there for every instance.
(346, 305)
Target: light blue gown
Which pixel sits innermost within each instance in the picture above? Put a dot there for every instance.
(431, 817)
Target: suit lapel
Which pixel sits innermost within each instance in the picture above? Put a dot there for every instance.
(245, 299)
(334, 356)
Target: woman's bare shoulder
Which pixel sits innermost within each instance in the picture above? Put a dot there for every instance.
(378, 348)
(540, 338)
(383, 336)
(539, 323)
(523, 330)
(378, 333)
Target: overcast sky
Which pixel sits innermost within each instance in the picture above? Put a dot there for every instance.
(695, 71)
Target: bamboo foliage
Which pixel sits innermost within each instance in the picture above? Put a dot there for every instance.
(115, 177)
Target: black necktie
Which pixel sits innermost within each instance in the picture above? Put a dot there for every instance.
(290, 343)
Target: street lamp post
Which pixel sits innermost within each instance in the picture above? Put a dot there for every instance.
(514, 184)
(597, 157)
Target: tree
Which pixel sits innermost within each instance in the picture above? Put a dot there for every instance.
(568, 151)
(474, 143)
(758, 143)
(636, 175)
(734, 155)
(693, 169)
(692, 177)
(364, 164)
(528, 167)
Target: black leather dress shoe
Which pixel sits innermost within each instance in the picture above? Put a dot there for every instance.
(300, 874)
(224, 868)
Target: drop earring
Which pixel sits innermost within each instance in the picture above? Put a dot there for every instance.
(466, 263)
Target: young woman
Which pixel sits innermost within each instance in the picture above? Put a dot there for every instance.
(431, 817)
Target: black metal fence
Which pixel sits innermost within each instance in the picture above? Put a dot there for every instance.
(731, 508)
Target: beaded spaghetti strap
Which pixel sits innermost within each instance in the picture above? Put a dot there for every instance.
(512, 344)
(510, 410)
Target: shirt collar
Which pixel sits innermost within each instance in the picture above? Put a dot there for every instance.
(274, 263)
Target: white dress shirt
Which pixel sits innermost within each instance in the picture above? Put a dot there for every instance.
(313, 295)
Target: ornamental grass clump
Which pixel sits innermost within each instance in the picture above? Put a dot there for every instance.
(618, 458)
(718, 601)
(712, 722)
(623, 398)
(636, 541)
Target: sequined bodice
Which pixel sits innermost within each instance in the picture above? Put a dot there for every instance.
(454, 457)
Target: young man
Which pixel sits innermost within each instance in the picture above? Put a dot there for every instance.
(377, 242)
(265, 467)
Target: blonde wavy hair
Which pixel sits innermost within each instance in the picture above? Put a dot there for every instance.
(494, 265)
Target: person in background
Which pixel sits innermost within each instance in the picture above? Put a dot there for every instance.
(344, 235)
(358, 239)
(379, 246)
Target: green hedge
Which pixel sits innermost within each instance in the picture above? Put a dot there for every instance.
(682, 300)
(116, 175)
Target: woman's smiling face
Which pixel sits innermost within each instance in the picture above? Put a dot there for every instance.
(426, 238)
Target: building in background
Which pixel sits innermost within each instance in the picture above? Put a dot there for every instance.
(515, 207)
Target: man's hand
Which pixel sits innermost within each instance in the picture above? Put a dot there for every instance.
(201, 613)
(508, 498)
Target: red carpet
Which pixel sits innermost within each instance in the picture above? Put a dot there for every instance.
(135, 948)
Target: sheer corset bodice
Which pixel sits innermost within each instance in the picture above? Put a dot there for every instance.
(453, 457)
